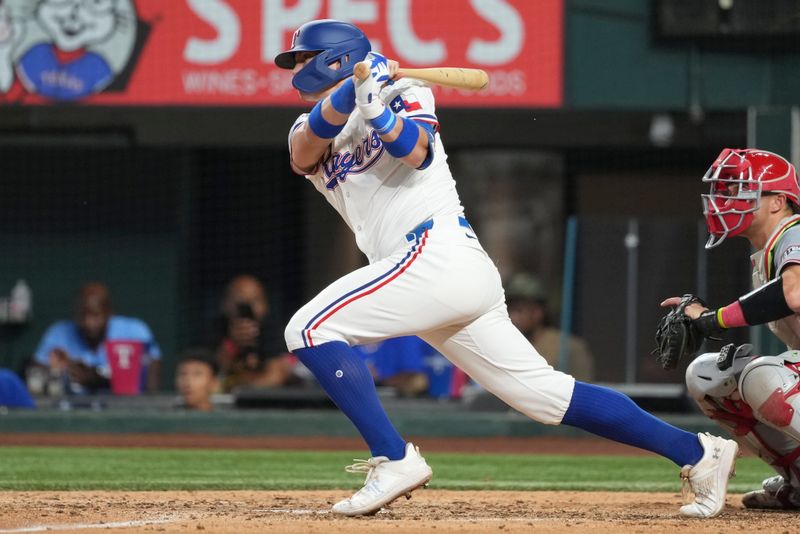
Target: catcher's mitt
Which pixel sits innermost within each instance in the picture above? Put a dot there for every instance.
(677, 336)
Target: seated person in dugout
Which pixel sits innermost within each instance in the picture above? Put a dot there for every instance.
(413, 368)
(196, 379)
(98, 351)
(527, 306)
(248, 345)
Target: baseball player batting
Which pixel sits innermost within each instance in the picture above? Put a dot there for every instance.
(755, 194)
(372, 148)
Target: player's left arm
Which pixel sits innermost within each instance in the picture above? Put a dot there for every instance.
(423, 141)
(775, 300)
(403, 137)
(790, 278)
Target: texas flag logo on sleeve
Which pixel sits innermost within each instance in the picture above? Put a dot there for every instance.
(410, 103)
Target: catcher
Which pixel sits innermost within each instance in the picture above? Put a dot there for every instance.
(754, 194)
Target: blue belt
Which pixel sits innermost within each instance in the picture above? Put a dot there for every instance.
(417, 232)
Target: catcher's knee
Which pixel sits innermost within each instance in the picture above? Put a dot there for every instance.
(705, 379)
(771, 389)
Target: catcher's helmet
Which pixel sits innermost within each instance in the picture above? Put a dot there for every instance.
(335, 41)
(738, 177)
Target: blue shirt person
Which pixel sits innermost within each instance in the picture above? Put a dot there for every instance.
(99, 350)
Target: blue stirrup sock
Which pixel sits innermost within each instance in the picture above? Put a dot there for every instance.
(346, 379)
(612, 415)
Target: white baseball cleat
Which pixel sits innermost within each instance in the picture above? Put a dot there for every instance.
(708, 479)
(386, 481)
(774, 495)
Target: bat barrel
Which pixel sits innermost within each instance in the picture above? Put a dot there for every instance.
(455, 77)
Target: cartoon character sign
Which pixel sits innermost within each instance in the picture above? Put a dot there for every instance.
(64, 49)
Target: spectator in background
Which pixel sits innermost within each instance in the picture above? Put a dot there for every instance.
(99, 351)
(445, 380)
(12, 391)
(249, 346)
(413, 368)
(527, 307)
(196, 378)
(398, 363)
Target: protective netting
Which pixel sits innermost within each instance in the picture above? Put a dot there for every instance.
(164, 228)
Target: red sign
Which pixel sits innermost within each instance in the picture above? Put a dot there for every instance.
(220, 52)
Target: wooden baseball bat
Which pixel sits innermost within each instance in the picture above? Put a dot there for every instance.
(455, 77)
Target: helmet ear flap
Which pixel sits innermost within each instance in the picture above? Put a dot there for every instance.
(348, 63)
(316, 75)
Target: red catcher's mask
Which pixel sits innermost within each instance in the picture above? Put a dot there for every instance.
(738, 177)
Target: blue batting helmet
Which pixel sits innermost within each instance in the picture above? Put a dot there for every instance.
(335, 41)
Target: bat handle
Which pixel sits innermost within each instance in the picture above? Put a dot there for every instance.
(361, 70)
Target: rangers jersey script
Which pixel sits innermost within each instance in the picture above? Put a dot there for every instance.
(379, 197)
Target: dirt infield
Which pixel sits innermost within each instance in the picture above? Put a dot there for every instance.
(429, 511)
(309, 511)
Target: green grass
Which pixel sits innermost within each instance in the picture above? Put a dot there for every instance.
(51, 468)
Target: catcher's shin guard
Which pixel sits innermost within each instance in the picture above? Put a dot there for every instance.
(712, 383)
(771, 386)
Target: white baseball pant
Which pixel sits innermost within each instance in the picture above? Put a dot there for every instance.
(443, 287)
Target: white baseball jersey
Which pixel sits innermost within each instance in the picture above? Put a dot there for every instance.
(428, 274)
(782, 248)
(378, 196)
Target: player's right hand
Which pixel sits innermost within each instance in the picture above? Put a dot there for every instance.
(378, 67)
(368, 92)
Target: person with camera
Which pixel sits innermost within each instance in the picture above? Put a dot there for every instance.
(249, 348)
